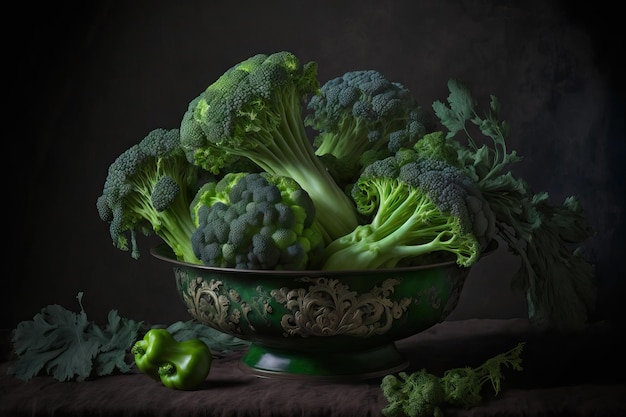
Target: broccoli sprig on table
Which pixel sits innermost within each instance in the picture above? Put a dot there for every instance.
(422, 394)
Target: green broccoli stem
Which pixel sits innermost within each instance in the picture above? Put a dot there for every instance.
(347, 141)
(173, 225)
(392, 236)
(372, 254)
(175, 232)
(463, 386)
(288, 152)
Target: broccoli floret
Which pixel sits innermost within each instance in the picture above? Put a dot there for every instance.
(164, 193)
(265, 222)
(148, 189)
(419, 394)
(435, 145)
(214, 191)
(254, 111)
(415, 207)
(362, 116)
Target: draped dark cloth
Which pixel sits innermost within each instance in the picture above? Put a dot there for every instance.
(578, 374)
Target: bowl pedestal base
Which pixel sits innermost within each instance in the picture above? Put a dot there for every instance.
(323, 364)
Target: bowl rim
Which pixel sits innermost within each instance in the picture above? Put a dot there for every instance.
(163, 252)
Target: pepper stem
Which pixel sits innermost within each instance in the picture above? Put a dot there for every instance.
(167, 369)
(137, 349)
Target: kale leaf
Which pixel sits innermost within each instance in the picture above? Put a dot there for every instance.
(67, 346)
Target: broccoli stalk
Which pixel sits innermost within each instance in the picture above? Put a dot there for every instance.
(254, 111)
(417, 207)
(148, 189)
(554, 274)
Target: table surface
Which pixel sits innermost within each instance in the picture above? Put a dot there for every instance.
(579, 374)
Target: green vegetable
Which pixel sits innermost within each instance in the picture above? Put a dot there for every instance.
(148, 189)
(68, 346)
(418, 206)
(256, 221)
(254, 111)
(558, 280)
(435, 145)
(368, 130)
(422, 394)
(419, 394)
(178, 365)
(360, 117)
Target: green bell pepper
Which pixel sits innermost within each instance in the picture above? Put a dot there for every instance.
(178, 365)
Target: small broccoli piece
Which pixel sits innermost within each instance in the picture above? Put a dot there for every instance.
(164, 193)
(435, 145)
(148, 190)
(419, 394)
(254, 111)
(362, 116)
(265, 222)
(416, 206)
(422, 394)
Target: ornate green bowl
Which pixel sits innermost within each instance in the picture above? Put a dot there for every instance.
(319, 324)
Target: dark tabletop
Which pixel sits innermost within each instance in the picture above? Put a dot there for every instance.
(579, 374)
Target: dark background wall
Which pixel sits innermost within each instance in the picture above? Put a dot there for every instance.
(88, 80)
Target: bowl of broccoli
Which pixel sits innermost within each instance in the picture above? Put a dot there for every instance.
(323, 222)
(319, 324)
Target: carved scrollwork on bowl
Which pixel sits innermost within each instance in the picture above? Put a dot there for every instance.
(210, 302)
(329, 308)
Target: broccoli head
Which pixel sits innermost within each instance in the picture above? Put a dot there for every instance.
(254, 111)
(256, 221)
(148, 189)
(361, 116)
(415, 206)
(420, 394)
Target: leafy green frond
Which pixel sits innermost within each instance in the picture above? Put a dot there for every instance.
(557, 279)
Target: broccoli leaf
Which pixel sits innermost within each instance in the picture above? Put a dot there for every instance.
(558, 280)
(461, 108)
(220, 343)
(66, 345)
(54, 340)
(116, 339)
